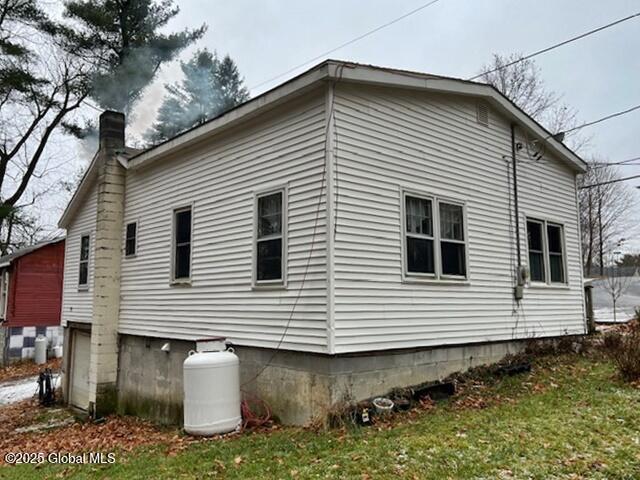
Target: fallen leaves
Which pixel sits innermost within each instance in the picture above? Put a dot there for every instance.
(115, 433)
(25, 369)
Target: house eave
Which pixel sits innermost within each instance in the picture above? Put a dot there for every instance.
(363, 74)
(338, 71)
(341, 71)
(270, 99)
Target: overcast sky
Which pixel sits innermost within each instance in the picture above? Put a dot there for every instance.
(598, 75)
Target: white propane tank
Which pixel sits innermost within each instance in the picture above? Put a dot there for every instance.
(211, 393)
(41, 349)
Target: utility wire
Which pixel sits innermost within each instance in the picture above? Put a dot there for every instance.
(557, 45)
(609, 182)
(624, 163)
(608, 117)
(347, 43)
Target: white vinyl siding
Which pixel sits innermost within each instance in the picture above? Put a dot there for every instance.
(77, 300)
(389, 140)
(284, 147)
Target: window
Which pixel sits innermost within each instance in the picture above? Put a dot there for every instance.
(83, 273)
(269, 238)
(130, 239)
(556, 257)
(435, 243)
(536, 250)
(546, 251)
(420, 239)
(4, 294)
(182, 244)
(452, 245)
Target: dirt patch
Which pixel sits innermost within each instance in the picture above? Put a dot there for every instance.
(24, 369)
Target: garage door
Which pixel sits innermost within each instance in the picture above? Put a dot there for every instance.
(79, 381)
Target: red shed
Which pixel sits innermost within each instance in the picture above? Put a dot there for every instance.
(35, 285)
(31, 295)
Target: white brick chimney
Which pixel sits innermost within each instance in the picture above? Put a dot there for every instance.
(103, 367)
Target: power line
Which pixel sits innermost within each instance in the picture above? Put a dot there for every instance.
(347, 43)
(609, 182)
(624, 163)
(89, 104)
(608, 117)
(557, 45)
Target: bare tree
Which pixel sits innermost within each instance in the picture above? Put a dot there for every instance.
(616, 285)
(19, 230)
(521, 82)
(605, 209)
(41, 85)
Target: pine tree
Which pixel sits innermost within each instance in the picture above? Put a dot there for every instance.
(210, 87)
(121, 37)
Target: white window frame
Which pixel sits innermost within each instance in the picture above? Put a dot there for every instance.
(84, 286)
(4, 292)
(282, 282)
(135, 248)
(437, 276)
(186, 281)
(546, 256)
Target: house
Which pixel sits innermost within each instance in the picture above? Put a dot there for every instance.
(30, 298)
(352, 230)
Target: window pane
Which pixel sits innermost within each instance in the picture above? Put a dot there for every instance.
(183, 226)
(554, 233)
(84, 248)
(131, 230)
(556, 267)
(130, 241)
(270, 215)
(536, 265)
(453, 258)
(83, 277)
(130, 246)
(182, 261)
(419, 216)
(419, 255)
(534, 234)
(451, 226)
(269, 260)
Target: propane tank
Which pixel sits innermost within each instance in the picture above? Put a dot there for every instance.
(211, 392)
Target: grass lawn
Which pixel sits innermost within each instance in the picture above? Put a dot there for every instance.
(569, 418)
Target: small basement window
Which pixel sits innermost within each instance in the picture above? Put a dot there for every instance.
(269, 248)
(83, 266)
(182, 222)
(546, 251)
(130, 244)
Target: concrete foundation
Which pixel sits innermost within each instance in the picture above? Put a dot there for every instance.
(150, 380)
(297, 386)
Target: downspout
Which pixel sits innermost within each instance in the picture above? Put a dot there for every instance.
(518, 289)
(516, 206)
